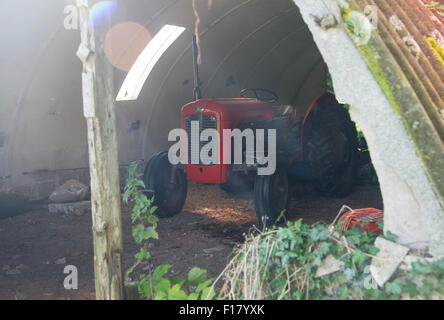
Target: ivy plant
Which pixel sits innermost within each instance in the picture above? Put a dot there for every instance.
(289, 258)
(155, 283)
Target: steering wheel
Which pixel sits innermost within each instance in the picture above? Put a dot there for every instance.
(269, 96)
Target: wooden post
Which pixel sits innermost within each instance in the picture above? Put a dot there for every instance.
(99, 111)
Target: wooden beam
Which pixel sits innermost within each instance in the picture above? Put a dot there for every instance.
(99, 111)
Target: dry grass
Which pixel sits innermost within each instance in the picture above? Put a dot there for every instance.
(247, 276)
(251, 275)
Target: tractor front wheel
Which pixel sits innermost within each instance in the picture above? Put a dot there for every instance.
(271, 197)
(167, 184)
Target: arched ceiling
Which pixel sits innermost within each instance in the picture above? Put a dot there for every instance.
(248, 43)
(244, 43)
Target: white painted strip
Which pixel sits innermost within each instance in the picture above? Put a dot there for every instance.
(140, 71)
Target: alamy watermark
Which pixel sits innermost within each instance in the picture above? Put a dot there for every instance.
(209, 147)
(71, 281)
(71, 20)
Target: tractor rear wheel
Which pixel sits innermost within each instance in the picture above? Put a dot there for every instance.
(169, 194)
(271, 197)
(333, 151)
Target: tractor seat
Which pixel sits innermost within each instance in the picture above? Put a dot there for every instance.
(283, 111)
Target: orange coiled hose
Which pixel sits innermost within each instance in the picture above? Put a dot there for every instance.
(364, 218)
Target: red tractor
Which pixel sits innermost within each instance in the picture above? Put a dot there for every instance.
(321, 147)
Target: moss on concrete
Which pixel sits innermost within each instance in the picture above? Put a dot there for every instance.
(381, 78)
(404, 102)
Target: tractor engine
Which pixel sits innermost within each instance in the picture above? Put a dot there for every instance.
(218, 114)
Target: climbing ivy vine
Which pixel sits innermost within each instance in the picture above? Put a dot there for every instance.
(155, 283)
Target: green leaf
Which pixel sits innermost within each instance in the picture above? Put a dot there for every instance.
(204, 285)
(380, 224)
(131, 269)
(139, 183)
(137, 232)
(297, 225)
(143, 254)
(427, 288)
(419, 268)
(298, 295)
(176, 293)
(358, 256)
(145, 288)
(394, 287)
(349, 273)
(126, 197)
(193, 296)
(373, 250)
(196, 276)
(141, 233)
(440, 288)
(317, 261)
(176, 280)
(324, 248)
(343, 291)
(161, 295)
(281, 216)
(354, 239)
(411, 288)
(390, 236)
(160, 271)
(161, 285)
(153, 209)
(319, 233)
(208, 293)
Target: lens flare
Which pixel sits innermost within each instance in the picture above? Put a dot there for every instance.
(100, 11)
(124, 42)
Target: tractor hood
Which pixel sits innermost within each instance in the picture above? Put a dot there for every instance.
(235, 111)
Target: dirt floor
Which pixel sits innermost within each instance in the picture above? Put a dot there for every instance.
(36, 246)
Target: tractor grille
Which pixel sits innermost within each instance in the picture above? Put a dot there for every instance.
(205, 122)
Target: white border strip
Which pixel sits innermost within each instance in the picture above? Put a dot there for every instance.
(140, 71)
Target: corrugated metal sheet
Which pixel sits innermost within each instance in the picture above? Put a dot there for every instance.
(405, 55)
(405, 27)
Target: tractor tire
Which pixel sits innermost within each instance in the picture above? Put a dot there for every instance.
(333, 132)
(168, 198)
(271, 197)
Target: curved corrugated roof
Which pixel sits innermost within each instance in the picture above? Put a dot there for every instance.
(405, 55)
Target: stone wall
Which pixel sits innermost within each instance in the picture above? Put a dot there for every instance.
(40, 184)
